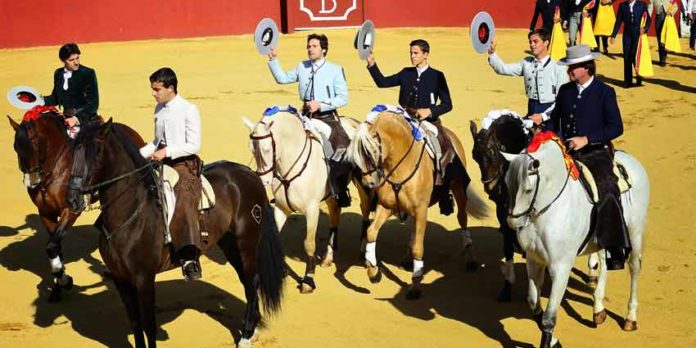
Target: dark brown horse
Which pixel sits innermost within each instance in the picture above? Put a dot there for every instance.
(132, 242)
(505, 134)
(45, 157)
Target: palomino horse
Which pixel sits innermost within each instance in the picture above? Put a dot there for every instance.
(132, 242)
(45, 158)
(392, 162)
(543, 192)
(291, 161)
(506, 134)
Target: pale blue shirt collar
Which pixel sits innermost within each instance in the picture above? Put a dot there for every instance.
(582, 87)
(318, 63)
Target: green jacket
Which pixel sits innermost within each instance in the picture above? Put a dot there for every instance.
(82, 93)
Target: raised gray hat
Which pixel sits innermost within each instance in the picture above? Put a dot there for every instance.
(578, 54)
(482, 31)
(266, 36)
(365, 39)
(24, 97)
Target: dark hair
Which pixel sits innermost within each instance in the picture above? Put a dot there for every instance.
(589, 65)
(323, 41)
(543, 34)
(424, 45)
(166, 76)
(68, 50)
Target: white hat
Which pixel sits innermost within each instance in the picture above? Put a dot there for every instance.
(24, 97)
(365, 39)
(266, 36)
(482, 31)
(578, 54)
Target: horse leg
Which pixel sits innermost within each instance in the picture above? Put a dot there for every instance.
(508, 268)
(593, 270)
(54, 251)
(381, 216)
(231, 248)
(459, 191)
(334, 216)
(365, 200)
(307, 284)
(421, 221)
(145, 287)
(599, 314)
(535, 277)
(559, 272)
(280, 217)
(129, 296)
(635, 263)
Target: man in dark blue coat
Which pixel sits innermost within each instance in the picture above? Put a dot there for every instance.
(630, 14)
(587, 117)
(546, 9)
(421, 87)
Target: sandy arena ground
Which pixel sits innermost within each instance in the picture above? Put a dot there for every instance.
(226, 78)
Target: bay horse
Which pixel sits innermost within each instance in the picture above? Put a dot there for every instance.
(45, 157)
(290, 160)
(392, 162)
(506, 133)
(132, 242)
(543, 193)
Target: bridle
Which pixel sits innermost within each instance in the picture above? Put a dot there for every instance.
(45, 177)
(283, 178)
(531, 210)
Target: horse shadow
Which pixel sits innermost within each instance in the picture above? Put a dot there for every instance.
(102, 317)
(28, 254)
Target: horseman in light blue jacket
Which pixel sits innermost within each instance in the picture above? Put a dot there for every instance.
(322, 89)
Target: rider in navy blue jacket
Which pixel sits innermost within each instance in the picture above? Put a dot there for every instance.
(587, 117)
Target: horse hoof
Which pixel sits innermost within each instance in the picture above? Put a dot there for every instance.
(68, 284)
(244, 343)
(630, 325)
(56, 294)
(592, 282)
(307, 285)
(413, 294)
(557, 345)
(373, 273)
(472, 266)
(505, 293)
(599, 317)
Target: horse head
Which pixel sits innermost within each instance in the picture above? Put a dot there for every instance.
(366, 152)
(505, 134)
(36, 142)
(262, 145)
(533, 180)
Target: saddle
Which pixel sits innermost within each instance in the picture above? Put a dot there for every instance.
(207, 193)
(331, 132)
(588, 181)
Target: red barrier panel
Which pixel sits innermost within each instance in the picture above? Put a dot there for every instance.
(53, 22)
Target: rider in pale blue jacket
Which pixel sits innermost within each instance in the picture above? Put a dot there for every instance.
(322, 89)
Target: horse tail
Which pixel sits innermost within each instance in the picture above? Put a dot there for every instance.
(362, 145)
(271, 261)
(476, 207)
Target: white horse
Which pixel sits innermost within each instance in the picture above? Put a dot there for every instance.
(291, 161)
(551, 213)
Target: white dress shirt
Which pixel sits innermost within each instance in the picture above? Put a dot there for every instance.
(178, 126)
(582, 87)
(67, 74)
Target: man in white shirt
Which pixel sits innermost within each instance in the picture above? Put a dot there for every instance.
(543, 77)
(177, 141)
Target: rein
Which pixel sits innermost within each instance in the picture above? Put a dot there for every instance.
(531, 210)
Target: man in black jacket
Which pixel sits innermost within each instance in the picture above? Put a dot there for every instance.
(421, 87)
(547, 10)
(630, 14)
(75, 89)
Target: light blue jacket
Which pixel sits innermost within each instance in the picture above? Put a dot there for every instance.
(541, 82)
(330, 87)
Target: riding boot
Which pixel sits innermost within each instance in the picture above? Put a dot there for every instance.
(75, 200)
(338, 181)
(612, 233)
(190, 266)
(434, 145)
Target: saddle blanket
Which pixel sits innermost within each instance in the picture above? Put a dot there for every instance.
(619, 171)
(417, 128)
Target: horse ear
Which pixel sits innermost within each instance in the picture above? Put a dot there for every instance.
(473, 129)
(509, 156)
(248, 123)
(14, 124)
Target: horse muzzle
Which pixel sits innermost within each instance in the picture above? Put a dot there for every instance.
(31, 180)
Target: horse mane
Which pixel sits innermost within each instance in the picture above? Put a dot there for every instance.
(363, 146)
